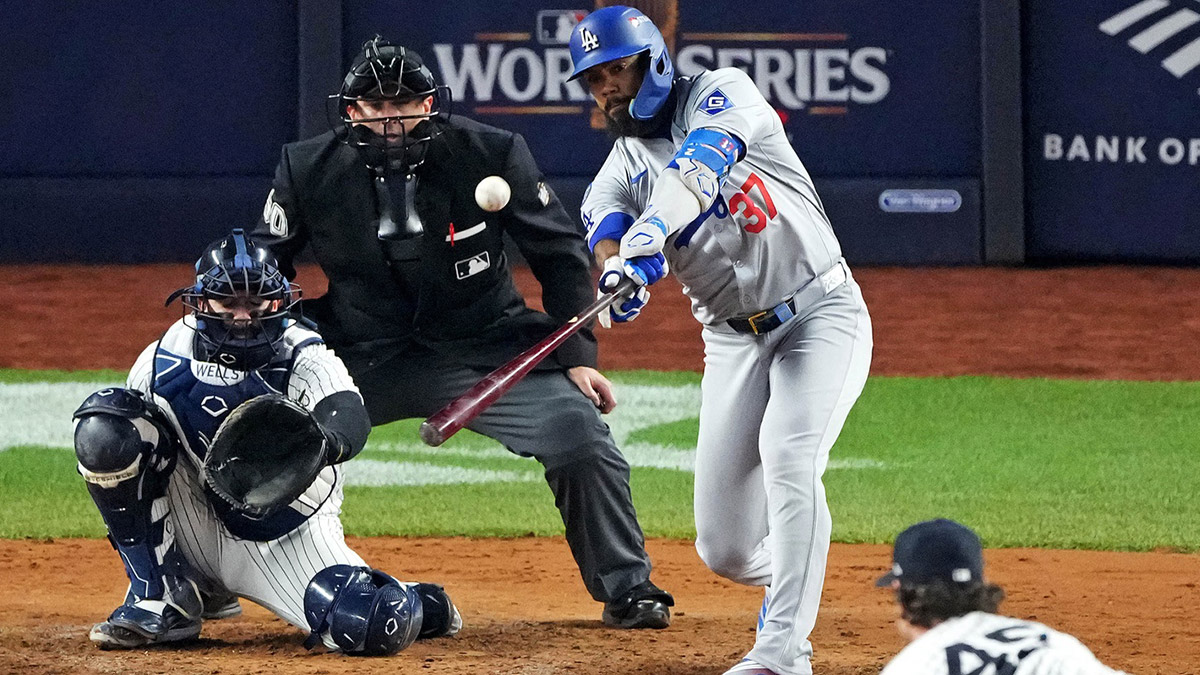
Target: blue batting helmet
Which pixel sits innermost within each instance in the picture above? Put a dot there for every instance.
(617, 32)
(361, 610)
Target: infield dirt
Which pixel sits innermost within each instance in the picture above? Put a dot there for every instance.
(526, 610)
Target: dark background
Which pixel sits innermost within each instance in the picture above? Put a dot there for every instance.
(137, 132)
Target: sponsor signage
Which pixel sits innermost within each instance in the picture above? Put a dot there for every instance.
(920, 201)
(855, 95)
(1112, 139)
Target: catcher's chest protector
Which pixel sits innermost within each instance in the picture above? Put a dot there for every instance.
(201, 394)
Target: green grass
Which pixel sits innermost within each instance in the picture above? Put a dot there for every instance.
(1029, 462)
(8, 375)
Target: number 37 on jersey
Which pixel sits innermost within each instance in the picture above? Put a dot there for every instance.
(752, 208)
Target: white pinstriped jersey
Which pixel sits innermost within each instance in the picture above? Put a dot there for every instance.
(988, 644)
(274, 569)
(765, 236)
(315, 373)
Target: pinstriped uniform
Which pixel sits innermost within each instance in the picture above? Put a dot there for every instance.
(988, 643)
(272, 572)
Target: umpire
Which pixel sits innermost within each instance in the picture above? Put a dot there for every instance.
(421, 301)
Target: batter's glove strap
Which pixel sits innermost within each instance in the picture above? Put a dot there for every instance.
(628, 308)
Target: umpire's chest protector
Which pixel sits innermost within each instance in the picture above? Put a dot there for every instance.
(463, 280)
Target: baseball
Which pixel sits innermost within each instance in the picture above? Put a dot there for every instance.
(492, 193)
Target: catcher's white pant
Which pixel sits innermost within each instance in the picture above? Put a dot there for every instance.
(272, 573)
(772, 406)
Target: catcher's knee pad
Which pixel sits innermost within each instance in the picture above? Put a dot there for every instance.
(115, 436)
(117, 440)
(359, 610)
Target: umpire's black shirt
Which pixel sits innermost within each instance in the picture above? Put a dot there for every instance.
(465, 305)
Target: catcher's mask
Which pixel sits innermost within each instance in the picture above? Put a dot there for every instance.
(240, 303)
(387, 73)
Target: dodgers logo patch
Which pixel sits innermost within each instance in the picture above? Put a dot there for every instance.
(472, 266)
(714, 103)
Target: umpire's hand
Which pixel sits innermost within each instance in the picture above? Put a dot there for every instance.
(595, 386)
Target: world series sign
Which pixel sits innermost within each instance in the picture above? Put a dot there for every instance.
(855, 94)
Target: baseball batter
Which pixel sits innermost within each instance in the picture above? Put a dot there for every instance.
(187, 555)
(947, 611)
(703, 182)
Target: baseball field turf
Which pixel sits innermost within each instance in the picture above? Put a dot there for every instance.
(1041, 463)
(1028, 462)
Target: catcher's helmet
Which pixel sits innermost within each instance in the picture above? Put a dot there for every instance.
(383, 71)
(236, 275)
(361, 611)
(617, 32)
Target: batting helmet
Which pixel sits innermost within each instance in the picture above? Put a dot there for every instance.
(617, 32)
(361, 611)
(236, 275)
(383, 71)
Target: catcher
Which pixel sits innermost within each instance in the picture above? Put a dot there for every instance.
(217, 472)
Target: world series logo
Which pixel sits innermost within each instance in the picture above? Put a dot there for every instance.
(520, 72)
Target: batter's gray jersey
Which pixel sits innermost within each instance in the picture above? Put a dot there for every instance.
(773, 404)
(765, 236)
(987, 643)
(272, 573)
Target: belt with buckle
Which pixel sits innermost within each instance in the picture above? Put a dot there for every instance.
(770, 319)
(766, 320)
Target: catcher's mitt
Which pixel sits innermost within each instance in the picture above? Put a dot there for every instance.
(264, 455)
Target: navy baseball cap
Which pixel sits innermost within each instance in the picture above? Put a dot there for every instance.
(935, 549)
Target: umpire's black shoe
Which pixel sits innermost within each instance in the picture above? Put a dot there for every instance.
(643, 606)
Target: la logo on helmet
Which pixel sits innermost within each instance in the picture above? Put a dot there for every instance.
(588, 40)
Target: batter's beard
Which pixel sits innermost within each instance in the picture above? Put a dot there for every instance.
(619, 123)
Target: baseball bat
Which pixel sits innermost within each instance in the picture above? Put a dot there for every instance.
(458, 413)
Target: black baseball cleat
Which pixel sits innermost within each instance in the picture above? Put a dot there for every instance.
(133, 626)
(440, 618)
(643, 606)
(220, 606)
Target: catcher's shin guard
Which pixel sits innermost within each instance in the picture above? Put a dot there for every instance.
(125, 454)
(359, 610)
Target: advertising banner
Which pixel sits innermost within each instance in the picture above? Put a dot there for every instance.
(1112, 136)
(892, 91)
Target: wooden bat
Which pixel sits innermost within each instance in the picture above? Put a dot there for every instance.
(458, 413)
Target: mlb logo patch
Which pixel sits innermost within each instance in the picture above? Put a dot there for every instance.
(714, 103)
(726, 145)
(472, 266)
(636, 21)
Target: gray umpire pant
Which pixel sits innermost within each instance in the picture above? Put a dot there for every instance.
(543, 416)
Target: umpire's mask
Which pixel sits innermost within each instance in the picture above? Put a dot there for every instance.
(388, 103)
